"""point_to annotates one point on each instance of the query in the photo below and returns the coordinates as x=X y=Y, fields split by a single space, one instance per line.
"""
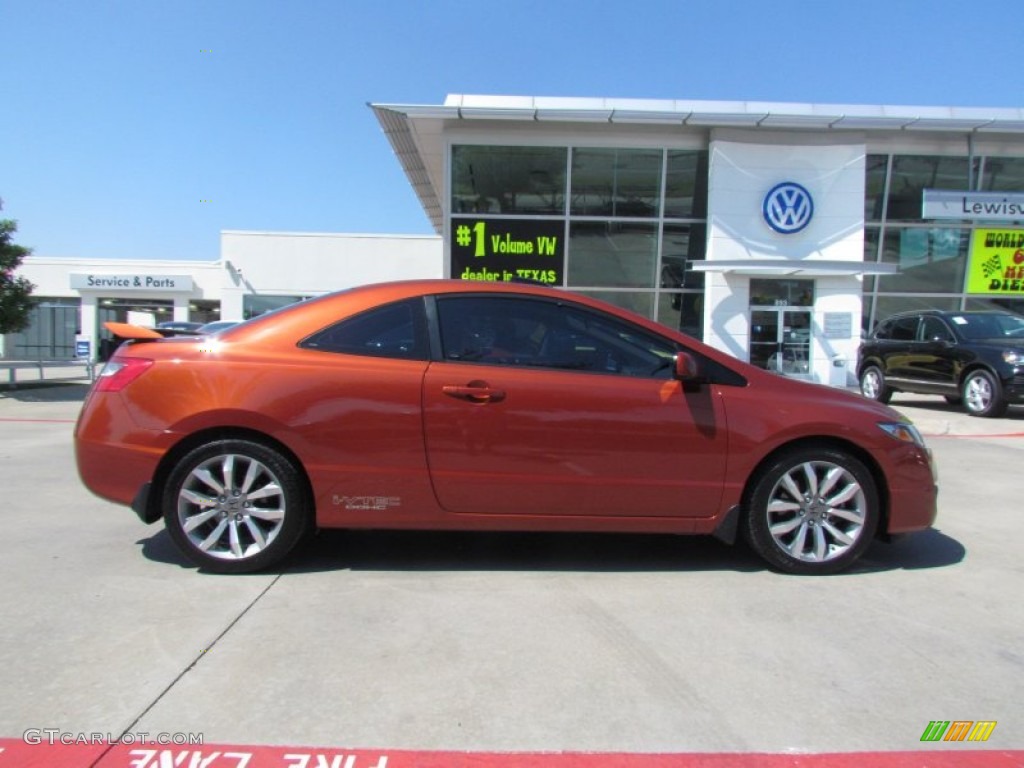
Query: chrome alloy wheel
x=231 y=506
x=816 y=511
x=978 y=394
x=871 y=384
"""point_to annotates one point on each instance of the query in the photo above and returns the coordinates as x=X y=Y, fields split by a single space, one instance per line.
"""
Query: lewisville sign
x=976 y=206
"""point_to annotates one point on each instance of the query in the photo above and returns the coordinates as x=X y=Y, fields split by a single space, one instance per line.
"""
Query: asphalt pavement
x=509 y=642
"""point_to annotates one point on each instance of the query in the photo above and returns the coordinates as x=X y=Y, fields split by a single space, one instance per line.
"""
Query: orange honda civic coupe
x=445 y=404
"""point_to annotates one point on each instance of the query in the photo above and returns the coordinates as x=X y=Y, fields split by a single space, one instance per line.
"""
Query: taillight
x=120 y=372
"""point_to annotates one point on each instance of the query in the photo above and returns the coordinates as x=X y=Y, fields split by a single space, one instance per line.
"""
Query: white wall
x=265 y=263
x=743 y=167
x=309 y=264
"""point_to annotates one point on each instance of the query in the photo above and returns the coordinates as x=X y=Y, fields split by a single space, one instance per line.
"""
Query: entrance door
x=780 y=340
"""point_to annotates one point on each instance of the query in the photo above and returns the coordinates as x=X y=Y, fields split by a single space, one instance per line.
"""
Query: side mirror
x=687 y=370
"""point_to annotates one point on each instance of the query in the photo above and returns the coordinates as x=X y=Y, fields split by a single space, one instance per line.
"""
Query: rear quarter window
x=395 y=330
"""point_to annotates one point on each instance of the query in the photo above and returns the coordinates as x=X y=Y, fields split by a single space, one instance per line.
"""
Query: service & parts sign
x=996 y=264
x=500 y=250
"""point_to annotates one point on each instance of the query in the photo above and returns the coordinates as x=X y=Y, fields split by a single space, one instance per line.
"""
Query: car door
x=936 y=363
x=898 y=348
x=540 y=407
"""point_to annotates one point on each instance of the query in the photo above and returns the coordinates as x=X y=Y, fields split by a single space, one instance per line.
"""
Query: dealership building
x=776 y=232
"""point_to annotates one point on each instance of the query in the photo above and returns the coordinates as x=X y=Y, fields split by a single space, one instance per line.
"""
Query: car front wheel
x=812 y=511
x=873 y=386
x=983 y=395
x=235 y=506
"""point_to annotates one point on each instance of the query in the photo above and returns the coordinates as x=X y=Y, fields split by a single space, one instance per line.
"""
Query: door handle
x=474 y=392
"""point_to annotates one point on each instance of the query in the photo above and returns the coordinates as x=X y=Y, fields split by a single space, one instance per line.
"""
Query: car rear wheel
x=983 y=395
x=873 y=386
x=812 y=511
x=235 y=506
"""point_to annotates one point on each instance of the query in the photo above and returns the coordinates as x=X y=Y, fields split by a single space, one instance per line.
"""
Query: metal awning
x=806 y=268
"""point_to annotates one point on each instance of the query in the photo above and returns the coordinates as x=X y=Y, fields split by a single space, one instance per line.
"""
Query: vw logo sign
x=788 y=207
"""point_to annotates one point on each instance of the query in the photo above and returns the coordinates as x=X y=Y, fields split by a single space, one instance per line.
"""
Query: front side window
x=981 y=326
x=899 y=329
x=933 y=329
x=394 y=330
x=537 y=333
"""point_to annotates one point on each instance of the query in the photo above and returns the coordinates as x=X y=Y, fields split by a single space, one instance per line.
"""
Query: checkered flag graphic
x=992 y=266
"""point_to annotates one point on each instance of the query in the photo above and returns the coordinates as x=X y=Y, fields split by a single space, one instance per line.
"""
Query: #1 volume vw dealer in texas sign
x=500 y=250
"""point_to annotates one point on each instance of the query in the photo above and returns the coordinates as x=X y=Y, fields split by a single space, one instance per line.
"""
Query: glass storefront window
x=1003 y=174
x=612 y=254
x=640 y=302
x=681 y=246
x=874 y=186
x=509 y=180
x=872 y=235
x=616 y=182
x=686 y=185
x=683 y=311
x=766 y=292
x=886 y=306
x=911 y=174
x=977 y=303
x=865 y=315
x=931 y=260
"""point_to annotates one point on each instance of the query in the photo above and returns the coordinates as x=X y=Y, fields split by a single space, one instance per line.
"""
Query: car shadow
x=925 y=549
x=46 y=392
x=428 y=551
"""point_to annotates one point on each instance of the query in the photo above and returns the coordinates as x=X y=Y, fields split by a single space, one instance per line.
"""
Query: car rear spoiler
x=134 y=332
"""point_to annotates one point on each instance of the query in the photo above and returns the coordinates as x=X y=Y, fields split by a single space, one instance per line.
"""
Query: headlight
x=903 y=431
x=1013 y=357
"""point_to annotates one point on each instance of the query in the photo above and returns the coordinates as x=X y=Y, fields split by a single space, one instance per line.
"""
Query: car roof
x=305 y=317
x=948 y=313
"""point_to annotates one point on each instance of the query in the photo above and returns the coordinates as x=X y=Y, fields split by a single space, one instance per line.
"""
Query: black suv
x=974 y=358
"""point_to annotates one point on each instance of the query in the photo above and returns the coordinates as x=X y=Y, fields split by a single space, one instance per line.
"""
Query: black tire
x=812 y=527
x=873 y=386
x=235 y=506
x=983 y=394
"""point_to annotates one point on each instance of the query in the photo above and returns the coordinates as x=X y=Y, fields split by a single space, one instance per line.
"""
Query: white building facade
x=779 y=233
x=257 y=272
x=776 y=232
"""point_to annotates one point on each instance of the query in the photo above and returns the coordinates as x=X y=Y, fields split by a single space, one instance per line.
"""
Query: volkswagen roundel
x=457 y=405
x=788 y=208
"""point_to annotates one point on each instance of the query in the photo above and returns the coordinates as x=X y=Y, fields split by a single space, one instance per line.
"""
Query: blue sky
x=142 y=128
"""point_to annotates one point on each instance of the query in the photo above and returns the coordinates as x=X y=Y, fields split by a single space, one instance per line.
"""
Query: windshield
x=989 y=326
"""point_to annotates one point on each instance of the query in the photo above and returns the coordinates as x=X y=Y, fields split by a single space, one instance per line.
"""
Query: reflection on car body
x=489 y=407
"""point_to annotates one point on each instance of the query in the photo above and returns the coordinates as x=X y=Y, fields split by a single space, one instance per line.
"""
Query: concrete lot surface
x=510 y=642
